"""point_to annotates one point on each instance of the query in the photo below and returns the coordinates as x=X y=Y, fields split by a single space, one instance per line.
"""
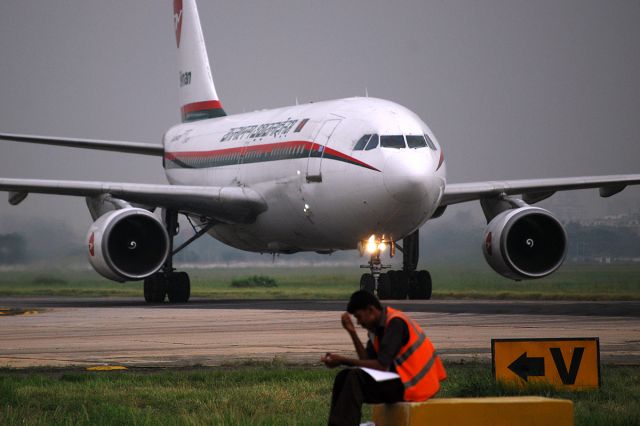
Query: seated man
x=397 y=344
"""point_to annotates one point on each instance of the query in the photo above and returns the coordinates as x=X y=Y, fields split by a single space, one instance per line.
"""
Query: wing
x=534 y=190
x=119 y=146
x=224 y=204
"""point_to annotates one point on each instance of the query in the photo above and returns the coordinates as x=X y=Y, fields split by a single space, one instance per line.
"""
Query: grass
x=577 y=282
x=254 y=281
x=258 y=394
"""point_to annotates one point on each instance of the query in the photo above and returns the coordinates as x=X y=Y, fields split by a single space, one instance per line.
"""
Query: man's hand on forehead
x=347 y=323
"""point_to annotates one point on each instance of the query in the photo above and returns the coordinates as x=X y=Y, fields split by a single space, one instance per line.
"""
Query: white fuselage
x=321 y=193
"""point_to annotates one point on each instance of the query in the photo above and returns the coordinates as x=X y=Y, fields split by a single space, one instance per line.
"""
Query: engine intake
x=525 y=243
x=127 y=244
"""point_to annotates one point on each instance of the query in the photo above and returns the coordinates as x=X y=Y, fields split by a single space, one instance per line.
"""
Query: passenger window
x=361 y=143
x=430 y=142
x=373 y=143
x=416 y=141
x=392 y=141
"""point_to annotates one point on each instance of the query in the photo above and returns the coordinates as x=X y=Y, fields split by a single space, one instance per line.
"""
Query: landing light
x=375 y=244
x=371 y=244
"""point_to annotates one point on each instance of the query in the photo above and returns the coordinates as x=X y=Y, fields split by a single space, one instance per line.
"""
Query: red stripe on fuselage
x=220 y=152
x=441 y=159
x=347 y=158
x=266 y=148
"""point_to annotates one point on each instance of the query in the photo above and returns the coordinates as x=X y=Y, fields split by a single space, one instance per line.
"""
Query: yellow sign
x=569 y=364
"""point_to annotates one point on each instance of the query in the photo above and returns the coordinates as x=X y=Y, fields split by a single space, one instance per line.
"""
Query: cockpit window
x=430 y=142
x=373 y=143
x=392 y=141
x=369 y=142
x=362 y=142
x=416 y=141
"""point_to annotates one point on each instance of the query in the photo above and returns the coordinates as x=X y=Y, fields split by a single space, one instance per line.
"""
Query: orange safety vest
x=417 y=362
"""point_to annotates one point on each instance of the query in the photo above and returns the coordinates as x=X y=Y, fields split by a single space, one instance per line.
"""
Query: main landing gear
x=176 y=285
x=167 y=282
x=397 y=284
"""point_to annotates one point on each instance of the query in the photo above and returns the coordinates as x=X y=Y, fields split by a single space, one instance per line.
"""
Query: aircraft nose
x=406 y=175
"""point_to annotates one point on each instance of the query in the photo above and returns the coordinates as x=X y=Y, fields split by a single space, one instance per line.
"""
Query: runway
x=57 y=332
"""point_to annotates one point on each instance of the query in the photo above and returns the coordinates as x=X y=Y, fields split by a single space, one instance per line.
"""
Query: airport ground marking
x=107 y=368
x=17 y=311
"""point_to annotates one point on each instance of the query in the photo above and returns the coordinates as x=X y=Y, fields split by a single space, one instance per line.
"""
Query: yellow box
x=495 y=411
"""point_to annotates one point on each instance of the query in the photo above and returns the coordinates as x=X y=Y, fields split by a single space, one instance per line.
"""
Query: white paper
x=380 y=376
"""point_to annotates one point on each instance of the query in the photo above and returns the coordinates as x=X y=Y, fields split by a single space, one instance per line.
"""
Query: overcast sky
x=512 y=89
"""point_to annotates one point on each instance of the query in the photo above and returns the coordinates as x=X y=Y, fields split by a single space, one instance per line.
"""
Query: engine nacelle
x=525 y=243
x=127 y=244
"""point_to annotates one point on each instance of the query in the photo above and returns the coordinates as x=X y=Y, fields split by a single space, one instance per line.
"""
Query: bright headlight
x=374 y=244
x=371 y=244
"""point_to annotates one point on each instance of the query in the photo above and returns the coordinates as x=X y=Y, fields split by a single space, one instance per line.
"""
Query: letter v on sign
x=567 y=363
x=567 y=377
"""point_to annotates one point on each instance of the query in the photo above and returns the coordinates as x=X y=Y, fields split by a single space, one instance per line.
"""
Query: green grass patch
x=577 y=282
x=254 y=281
x=572 y=282
x=48 y=280
x=256 y=394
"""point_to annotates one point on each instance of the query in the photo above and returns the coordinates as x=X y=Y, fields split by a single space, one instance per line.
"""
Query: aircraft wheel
x=155 y=288
x=401 y=285
x=393 y=282
x=367 y=283
x=384 y=287
x=420 y=286
x=179 y=287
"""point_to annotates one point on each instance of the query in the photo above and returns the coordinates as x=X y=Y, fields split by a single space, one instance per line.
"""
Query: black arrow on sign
x=526 y=367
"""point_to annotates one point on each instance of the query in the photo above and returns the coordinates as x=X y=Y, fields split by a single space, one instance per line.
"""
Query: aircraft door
x=321 y=141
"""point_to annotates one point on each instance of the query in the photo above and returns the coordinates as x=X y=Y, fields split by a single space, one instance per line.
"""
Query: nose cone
x=407 y=175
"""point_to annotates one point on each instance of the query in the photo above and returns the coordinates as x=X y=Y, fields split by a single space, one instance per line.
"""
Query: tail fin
x=198 y=95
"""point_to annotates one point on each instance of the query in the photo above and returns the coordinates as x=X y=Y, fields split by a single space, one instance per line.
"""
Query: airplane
x=355 y=173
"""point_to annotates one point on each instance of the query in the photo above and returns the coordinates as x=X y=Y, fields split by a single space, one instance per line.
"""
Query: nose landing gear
x=409 y=282
x=376 y=281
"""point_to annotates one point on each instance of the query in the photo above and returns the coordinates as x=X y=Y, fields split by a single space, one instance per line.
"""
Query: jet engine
x=127 y=244
x=525 y=243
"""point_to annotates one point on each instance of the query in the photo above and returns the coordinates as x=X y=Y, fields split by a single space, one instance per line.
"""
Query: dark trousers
x=352 y=388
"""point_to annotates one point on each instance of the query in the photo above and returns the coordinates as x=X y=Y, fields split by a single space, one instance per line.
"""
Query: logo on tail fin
x=177 y=19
